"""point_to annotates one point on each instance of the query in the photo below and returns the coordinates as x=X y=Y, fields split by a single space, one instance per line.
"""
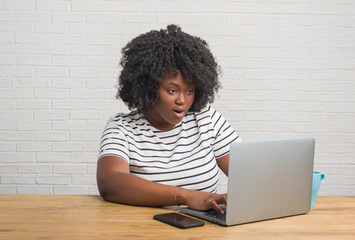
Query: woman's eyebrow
x=174 y=84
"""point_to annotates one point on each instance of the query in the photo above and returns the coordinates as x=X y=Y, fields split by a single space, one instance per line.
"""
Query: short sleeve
x=114 y=140
x=224 y=134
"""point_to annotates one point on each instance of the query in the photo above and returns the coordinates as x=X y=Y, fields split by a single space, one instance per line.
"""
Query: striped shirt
x=184 y=156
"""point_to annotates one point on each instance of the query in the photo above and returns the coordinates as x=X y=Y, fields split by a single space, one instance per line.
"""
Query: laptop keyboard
x=212 y=213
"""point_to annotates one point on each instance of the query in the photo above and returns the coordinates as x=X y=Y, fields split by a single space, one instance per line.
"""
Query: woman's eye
x=191 y=91
x=172 y=91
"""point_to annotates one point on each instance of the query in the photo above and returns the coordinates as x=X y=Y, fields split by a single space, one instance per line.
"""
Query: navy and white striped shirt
x=184 y=156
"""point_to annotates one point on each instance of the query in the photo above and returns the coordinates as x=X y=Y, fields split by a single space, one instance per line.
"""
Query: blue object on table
x=318 y=178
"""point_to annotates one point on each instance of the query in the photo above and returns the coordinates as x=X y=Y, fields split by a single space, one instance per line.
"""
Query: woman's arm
x=117 y=184
x=223 y=163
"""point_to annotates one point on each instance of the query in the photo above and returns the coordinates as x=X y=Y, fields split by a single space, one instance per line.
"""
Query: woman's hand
x=201 y=200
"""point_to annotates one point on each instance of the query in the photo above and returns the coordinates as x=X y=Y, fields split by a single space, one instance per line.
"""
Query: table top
x=90 y=217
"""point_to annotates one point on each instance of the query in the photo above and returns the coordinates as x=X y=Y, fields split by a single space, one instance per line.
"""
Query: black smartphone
x=178 y=220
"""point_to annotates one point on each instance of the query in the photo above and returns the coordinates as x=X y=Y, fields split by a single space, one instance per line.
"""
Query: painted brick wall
x=288 y=71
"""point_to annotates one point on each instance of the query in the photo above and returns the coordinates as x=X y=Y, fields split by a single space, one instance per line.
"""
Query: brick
x=104 y=18
x=101 y=62
x=92 y=168
x=86 y=50
x=51 y=115
x=228 y=51
x=138 y=18
x=85 y=135
x=51 y=28
x=33 y=126
x=32 y=60
x=107 y=40
x=81 y=179
x=16 y=136
x=34 y=17
x=7 y=16
x=34 y=38
x=333 y=9
x=159 y=7
x=100 y=104
x=52 y=179
x=309 y=20
x=16 y=27
x=7 y=147
x=18 y=179
x=7 y=38
x=46 y=49
x=7 y=104
x=58 y=39
x=70 y=190
x=28 y=83
x=35 y=169
x=91 y=147
x=15 y=93
x=6 y=60
x=93 y=125
x=69 y=61
x=86 y=73
x=92 y=190
x=87 y=94
x=53 y=5
x=17 y=5
x=168 y=18
x=99 y=84
x=15 y=71
x=195 y=7
x=68 y=83
x=296 y=31
x=87 y=114
x=86 y=28
x=68 y=17
x=69 y=168
x=8 y=169
x=52 y=136
x=34 y=189
x=68 y=147
x=68 y=125
x=23 y=115
x=8 y=189
x=50 y=72
x=51 y=94
x=68 y=104
x=131 y=29
x=33 y=147
x=52 y=157
x=33 y=104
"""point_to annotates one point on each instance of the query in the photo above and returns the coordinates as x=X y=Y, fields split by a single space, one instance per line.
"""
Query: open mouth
x=179 y=113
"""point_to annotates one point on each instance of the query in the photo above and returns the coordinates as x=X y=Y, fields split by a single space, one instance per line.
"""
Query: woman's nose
x=180 y=99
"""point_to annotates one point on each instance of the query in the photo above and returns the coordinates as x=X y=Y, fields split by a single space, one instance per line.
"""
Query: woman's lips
x=179 y=113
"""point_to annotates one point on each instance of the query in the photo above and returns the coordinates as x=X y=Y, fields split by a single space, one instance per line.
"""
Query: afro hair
x=147 y=58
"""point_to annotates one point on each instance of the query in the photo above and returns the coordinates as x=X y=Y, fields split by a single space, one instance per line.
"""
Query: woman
x=170 y=148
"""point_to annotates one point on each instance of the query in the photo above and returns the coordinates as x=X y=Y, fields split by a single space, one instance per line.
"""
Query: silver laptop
x=266 y=180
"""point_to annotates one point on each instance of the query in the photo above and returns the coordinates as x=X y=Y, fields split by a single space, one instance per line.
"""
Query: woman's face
x=175 y=98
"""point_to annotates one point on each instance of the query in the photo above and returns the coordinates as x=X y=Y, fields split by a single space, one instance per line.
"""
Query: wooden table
x=89 y=217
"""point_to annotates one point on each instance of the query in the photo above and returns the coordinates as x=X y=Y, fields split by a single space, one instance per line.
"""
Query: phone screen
x=179 y=220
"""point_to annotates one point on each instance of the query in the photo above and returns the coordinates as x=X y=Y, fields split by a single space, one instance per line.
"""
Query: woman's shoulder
x=207 y=113
x=126 y=120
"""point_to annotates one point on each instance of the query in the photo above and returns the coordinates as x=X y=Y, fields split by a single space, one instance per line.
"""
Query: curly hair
x=146 y=59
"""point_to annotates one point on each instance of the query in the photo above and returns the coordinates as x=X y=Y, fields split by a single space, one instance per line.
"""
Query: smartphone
x=178 y=220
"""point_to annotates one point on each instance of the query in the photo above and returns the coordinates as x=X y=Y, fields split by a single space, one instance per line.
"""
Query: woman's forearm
x=117 y=184
x=127 y=188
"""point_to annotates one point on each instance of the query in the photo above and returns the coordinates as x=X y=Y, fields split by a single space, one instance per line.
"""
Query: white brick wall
x=288 y=71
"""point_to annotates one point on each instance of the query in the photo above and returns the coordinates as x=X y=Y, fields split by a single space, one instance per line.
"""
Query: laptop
x=266 y=180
